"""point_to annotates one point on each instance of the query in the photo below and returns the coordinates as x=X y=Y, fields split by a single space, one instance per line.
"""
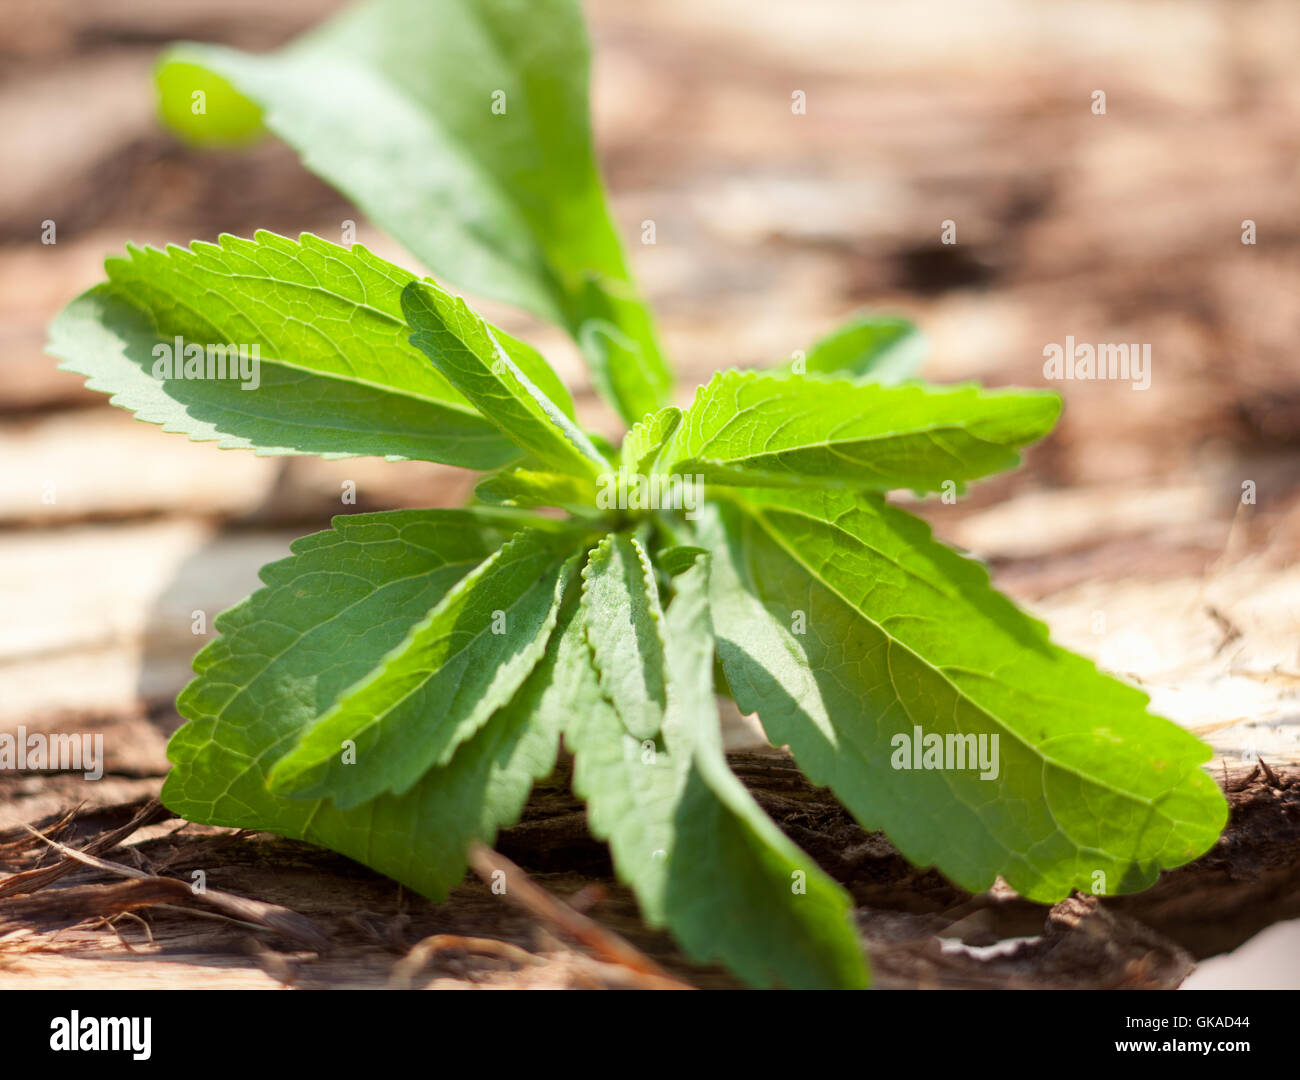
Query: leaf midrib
x=835 y=446
x=464 y=584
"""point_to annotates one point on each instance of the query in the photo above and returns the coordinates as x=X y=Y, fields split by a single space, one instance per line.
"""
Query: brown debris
x=31 y=880
x=436 y=945
x=253 y=912
x=606 y=945
x=1081 y=944
x=60 y=908
x=919 y=929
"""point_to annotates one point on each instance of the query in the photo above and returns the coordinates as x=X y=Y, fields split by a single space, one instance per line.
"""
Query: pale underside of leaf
x=625 y=630
x=630 y=787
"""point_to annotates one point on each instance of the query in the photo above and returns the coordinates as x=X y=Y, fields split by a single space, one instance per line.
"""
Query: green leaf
x=673 y=560
x=421 y=838
x=460 y=128
x=787 y=430
x=630 y=785
x=868 y=348
x=204 y=108
x=700 y=854
x=686 y=836
x=535 y=369
x=335 y=376
x=456 y=666
x=328 y=615
x=616 y=333
x=524 y=487
x=846 y=627
x=624 y=628
x=643 y=444
x=737 y=888
x=464 y=349
x=637 y=485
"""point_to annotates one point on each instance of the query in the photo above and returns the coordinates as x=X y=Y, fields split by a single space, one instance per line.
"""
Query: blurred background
x=1126 y=530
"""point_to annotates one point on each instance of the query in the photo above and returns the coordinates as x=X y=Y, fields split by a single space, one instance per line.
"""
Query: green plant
x=404 y=677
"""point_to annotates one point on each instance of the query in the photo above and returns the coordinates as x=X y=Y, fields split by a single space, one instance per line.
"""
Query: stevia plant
x=403 y=678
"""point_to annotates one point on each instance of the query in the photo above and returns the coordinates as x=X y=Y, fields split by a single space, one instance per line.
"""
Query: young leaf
x=459 y=128
x=327 y=616
x=880 y=349
x=227 y=117
x=643 y=444
x=533 y=487
x=785 y=431
x=616 y=334
x=856 y=638
x=629 y=785
x=624 y=628
x=786 y=921
x=636 y=485
x=459 y=664
x=535 y=369
x=468 y=354
x=335 y=373
x=686 y=836
x=678 y=558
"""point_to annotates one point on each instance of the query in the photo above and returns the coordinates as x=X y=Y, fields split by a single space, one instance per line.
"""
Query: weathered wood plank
x=919 y=929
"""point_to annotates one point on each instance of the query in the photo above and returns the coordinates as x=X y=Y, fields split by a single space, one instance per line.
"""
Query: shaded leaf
x=624 y=627
x=456 y=666
x=673 y=560
x=327 y=616
x=524 y=487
